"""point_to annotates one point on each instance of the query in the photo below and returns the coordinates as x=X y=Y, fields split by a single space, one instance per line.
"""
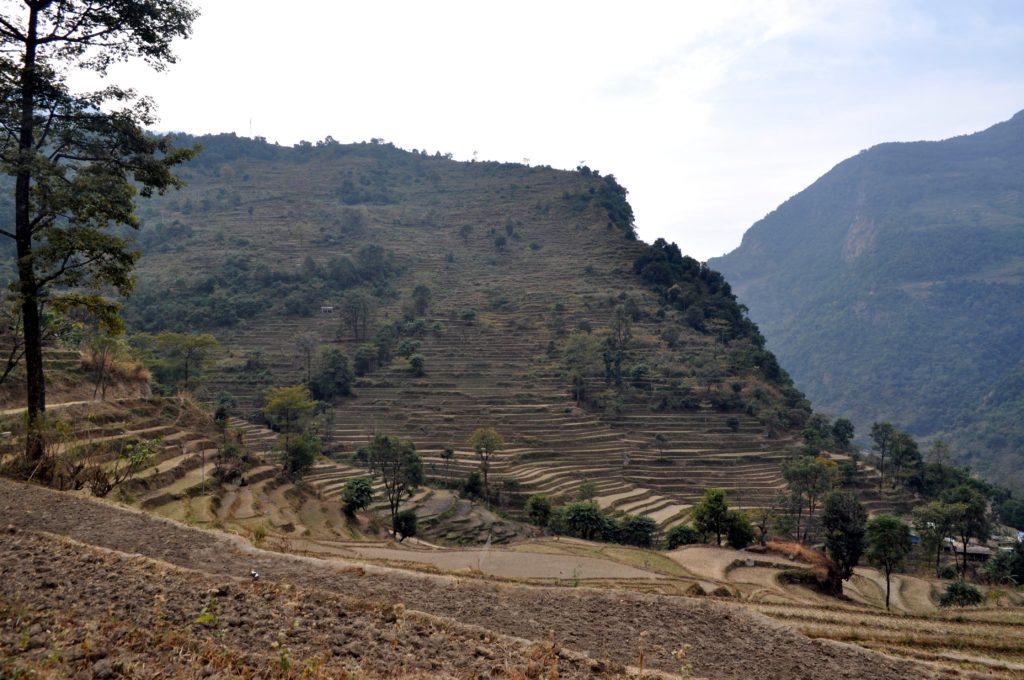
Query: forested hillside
x=893 y=289
x=428 y=297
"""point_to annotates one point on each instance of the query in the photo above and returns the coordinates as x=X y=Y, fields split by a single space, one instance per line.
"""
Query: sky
x=710 y=113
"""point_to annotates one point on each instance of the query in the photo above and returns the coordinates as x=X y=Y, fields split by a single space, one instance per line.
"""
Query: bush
x=405 y=524
x=300 y=453
x=583 y=520
x=733 y=424
x=586 y=491
x=682 y=534
x=740 y=533
x=960 y=594
x=366 y=358
x=357 y=495
x=637 y=530
x=417 y=365
x=408 y=347
x=538 y=509
x=474 y=485
x=331 y=376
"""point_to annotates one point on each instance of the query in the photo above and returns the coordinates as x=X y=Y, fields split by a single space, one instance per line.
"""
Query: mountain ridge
x=904 y=241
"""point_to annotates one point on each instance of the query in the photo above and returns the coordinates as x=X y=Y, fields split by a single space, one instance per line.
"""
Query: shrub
x=586 y=491
x=733 y=424
x=474 y=485
x=331 y=375
x=407 y=348
x=583 y=520
x=960 y=594
x=300 y=453
x=682 y=534
x=637 y=530
x=357 y=495
x=366 y=358
x=417 y=365
x=740 y=533
x=538 y=509
x=405 y=524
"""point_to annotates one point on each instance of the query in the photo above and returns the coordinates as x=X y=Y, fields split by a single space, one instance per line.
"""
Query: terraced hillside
x=516 y=259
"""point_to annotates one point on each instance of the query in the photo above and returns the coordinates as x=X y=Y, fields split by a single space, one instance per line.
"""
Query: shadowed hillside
x=641 y=376
x=893 y=289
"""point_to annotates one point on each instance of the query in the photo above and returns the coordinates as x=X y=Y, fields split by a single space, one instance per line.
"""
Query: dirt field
x=726 y=641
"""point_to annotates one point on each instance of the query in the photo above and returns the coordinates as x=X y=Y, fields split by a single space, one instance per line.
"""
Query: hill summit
x=893 y=289
x=467 y=295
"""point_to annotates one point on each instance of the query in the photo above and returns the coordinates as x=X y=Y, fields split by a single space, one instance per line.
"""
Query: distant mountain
x=893 y=288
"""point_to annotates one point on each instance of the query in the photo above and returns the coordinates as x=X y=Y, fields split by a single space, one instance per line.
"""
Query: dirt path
x=727 y=642
x=507 y=564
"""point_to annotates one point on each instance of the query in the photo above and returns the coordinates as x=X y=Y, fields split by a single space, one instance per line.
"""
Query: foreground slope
x=893 y=289
x=266 y=242
x=184 y=595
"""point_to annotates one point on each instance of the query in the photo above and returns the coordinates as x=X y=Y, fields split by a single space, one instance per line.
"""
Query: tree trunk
x=887 y=588
x=35 y=381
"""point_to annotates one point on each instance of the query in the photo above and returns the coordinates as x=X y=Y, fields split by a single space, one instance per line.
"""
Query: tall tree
x=78 y=159
x=971 y=519
x=289 y=408
x=357 y=310
x=401 y=469
x=933 y=522
x=881 y=437
x=888 y=543
x=842 y=433
x=843 y=520
x=711 y=514
x=809 y=480
x=617 y=344
x=486 y=442
x=307 y=343
x=185 y=352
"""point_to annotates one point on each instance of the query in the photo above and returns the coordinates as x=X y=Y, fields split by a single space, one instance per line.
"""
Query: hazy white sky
x=710 y=113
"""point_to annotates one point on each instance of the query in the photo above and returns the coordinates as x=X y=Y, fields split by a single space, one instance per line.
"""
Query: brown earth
x=726 y=641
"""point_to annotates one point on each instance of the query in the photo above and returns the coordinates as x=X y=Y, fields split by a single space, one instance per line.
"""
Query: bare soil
x=726 y=641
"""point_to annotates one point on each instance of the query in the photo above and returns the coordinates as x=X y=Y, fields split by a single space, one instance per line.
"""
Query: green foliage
x=638 y=530
x=844 y=523
x=933 y=522
x=586 y=490
x=682 y=534
x=582 y=520
x=240 y=288
x=405 y=524
x=888 y=544
x=538 y=509
x=486 y=442
x=971 y=520
x=960 y=594
x=610 y=196
x=177 y=358
x=711 y=514
x=474 y=485
x=300 y=453
x=400 y=467
x=421 y=299
x=331 y=376
x=288 y=408
x=740 y=532
x=365 y=359
x=1006 y=567
x=417 y=365
x=357 y=495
